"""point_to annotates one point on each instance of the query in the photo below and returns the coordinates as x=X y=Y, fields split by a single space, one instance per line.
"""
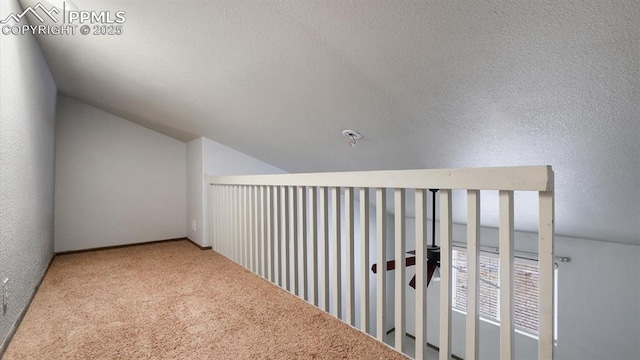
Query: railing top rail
x=516 y=178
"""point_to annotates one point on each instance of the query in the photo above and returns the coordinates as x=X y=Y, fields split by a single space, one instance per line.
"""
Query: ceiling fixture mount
x=351 y=136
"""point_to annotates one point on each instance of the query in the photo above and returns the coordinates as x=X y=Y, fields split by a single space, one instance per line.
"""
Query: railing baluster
x=237 y=236
x=506 y=276
x=473 y=276
x=230 y=229
x=381 y=250
x=324 y=236
x=227 y=207
x=293 y=240
x=232 y=224
x=445 y=274
x=251 y=229
x=219 y=218
x=240 y=224
x=239 y=230
x=270 y=236
x=208 y=221
x=302 y=211
x=399 y=218
x=277 y=230
x=236 y=224
x=337 y=249
x=224 y=211
x=213 y=228
x=225 y=223
x=264 y=237
x=421 y=261
x=233 y=238
x=349 y=232
x=364 y=257
x=247 y=228
x=256 y=229
x=547 y=278
x=222 y=219
x=284 y=244
x=243 y=227
x=313 y=259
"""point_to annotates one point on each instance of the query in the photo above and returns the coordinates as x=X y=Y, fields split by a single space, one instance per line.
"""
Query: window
x=526 y=290
x=489 y=294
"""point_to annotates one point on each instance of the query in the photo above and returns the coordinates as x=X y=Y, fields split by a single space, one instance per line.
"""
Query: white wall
x=116 y=182
x=220 y=160
x=207 y=157
x=195 y=186
x=599 y=300
x=27 y=149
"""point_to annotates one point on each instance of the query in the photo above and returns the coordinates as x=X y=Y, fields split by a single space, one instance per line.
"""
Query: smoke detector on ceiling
x=351 y=136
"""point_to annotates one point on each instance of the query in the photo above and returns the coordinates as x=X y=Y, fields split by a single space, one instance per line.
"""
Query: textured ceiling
x=428 y=83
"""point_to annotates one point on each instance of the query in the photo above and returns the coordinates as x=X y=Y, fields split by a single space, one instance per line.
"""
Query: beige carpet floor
x=172 y=300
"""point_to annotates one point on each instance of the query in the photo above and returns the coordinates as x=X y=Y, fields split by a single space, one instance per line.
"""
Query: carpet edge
x=118 y=246
x=23 y=312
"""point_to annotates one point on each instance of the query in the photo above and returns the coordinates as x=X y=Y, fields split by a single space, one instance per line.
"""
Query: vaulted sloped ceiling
x=429 y=84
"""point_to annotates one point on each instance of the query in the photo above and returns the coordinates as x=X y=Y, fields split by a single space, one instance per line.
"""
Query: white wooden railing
x=265 y=222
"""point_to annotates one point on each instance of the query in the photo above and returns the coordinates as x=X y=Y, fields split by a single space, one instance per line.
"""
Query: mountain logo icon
x=33 y=10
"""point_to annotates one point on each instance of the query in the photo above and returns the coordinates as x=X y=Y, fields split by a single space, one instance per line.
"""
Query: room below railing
x=316 y=236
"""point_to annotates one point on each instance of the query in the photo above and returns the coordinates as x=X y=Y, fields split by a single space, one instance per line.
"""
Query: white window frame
x=496 y=322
